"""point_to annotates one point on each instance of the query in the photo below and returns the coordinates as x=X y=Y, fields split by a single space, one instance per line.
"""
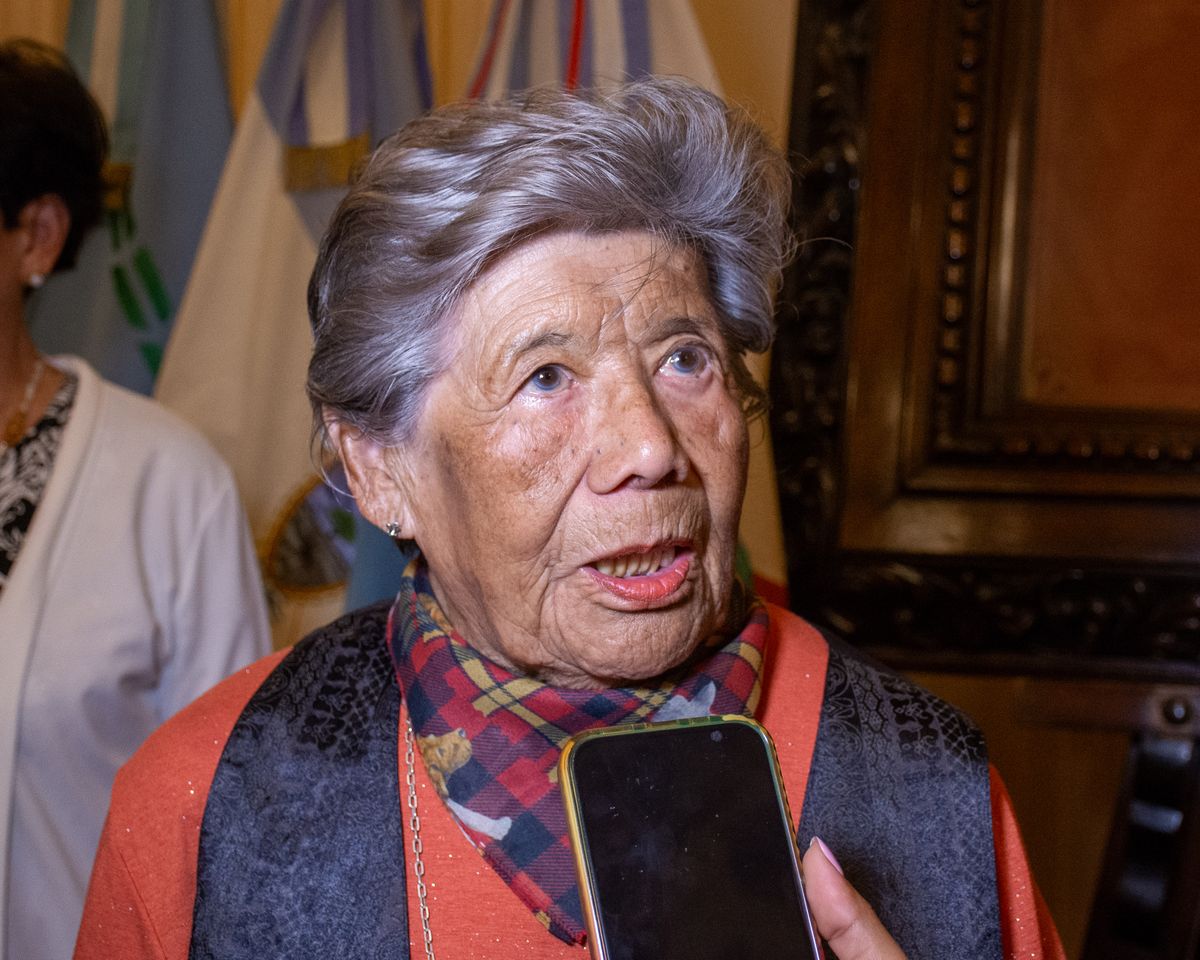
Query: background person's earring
x=393 y=529
x=36 y=280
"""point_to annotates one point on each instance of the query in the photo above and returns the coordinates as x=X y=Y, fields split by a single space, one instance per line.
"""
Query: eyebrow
x=672 y=325
x=676 y=324
x=533 y=340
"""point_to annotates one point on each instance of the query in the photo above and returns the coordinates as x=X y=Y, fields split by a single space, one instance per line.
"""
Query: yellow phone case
x=572 y=804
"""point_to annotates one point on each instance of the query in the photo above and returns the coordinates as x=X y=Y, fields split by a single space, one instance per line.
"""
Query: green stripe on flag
x=143 y=263
x=342 y=522
x=152 y=353
x=126 y=298
x=120 y=226
x=742 y=568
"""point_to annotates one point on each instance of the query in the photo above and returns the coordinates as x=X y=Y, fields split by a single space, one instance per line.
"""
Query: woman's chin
x=608 y=638
x=634 y=659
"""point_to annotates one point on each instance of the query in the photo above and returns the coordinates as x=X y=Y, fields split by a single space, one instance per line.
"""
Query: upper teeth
x=637 y=564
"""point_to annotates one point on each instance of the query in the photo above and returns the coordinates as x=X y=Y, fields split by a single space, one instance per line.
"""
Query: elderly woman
x=128 y=582
x=530 y=321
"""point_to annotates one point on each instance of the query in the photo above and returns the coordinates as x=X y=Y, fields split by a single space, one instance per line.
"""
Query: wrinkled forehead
x=583 y=285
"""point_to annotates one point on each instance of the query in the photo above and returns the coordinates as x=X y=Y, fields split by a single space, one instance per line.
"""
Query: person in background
x=530 y=324
x=128 y=582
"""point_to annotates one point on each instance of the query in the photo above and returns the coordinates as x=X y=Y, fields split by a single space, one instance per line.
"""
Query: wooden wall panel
x=1114 y=237
x=936 y=498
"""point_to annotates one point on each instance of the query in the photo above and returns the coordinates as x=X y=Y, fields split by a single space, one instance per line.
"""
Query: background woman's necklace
x=14 y=429
x=414 y=823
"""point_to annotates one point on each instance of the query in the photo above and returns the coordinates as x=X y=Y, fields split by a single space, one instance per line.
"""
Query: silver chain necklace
x=414 y=823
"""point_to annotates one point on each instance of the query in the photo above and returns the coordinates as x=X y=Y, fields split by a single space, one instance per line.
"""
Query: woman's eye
x=686 y=361
x=547 y=379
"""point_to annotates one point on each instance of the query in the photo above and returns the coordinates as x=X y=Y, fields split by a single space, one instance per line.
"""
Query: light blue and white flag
x=585 y=43
x=155 y=67
x=339 y=76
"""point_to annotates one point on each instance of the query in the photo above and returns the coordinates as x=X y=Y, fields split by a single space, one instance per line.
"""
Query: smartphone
x=683 y=843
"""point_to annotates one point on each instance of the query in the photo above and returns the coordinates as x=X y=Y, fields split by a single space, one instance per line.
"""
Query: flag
x=155 y=67
x=339 y=75
x=588 y=43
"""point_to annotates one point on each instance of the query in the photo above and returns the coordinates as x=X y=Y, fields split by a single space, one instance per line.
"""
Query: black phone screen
x=690 y=853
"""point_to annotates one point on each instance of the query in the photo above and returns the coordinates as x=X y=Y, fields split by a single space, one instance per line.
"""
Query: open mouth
x=637 y=564
x=647 y=578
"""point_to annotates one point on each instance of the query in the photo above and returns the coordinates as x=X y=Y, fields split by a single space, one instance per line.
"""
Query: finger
x=842 y=917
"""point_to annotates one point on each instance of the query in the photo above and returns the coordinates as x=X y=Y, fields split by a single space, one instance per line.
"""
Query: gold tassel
x=332 y=165
x=118 y=181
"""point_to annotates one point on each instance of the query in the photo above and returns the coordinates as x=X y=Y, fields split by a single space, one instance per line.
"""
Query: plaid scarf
x=491 y=739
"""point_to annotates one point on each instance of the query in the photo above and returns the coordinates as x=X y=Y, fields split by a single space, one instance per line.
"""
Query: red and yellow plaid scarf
x=491 y=739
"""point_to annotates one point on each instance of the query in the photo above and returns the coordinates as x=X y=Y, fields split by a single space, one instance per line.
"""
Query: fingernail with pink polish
x=829 y=855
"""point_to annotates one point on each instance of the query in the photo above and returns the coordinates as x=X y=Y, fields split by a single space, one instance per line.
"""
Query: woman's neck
x=24 y=394
x=18 y=356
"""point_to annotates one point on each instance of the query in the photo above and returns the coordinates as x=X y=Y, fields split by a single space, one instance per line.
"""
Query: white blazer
x=135 y=590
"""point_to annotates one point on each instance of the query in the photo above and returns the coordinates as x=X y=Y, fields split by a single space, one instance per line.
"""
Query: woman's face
x=577 y=475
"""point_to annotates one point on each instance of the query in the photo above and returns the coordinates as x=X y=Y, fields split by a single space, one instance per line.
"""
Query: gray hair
x=453 y=191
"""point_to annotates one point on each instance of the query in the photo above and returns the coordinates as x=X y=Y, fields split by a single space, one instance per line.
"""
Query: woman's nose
x=634 y=442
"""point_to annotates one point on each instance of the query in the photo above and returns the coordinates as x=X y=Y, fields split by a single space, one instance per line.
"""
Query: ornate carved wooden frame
x=929 y=512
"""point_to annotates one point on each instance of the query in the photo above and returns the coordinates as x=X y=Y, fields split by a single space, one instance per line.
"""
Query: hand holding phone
x=684 y=845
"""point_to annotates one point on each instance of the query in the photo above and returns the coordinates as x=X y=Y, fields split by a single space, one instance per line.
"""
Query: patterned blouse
x=24 y=469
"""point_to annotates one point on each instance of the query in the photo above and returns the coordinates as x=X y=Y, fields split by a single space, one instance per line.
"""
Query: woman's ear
x=45 y=221
x=376 y=477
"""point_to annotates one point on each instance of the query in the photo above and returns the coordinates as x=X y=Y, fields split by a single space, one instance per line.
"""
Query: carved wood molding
x=1038 y=618
x=953 y=611
x=827 y=137
x=960 y=430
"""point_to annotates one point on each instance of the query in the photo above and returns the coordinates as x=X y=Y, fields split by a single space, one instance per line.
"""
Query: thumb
x=842 y=917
